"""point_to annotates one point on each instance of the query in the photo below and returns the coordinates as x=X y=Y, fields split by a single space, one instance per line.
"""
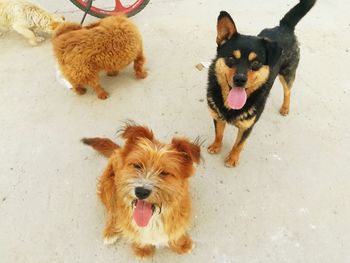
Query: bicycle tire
x=99 y=15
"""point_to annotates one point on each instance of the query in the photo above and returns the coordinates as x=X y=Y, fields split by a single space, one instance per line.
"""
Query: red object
x=129 y=10
x=142 y=213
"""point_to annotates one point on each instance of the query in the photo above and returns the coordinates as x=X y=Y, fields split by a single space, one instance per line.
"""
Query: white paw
x=33 y=42
x=36 y=40
x=191 y=249
x=39 y=39
x=110 y=240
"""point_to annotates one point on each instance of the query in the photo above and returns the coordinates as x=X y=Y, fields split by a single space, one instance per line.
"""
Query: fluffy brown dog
x=110 y=44
x=145 y=190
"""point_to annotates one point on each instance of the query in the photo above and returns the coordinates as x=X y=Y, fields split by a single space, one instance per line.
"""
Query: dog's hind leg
x=101 y=93
x=139 y=62
x=286 y=95
x=112 y=73
x=32 y=38
x=79 y=89
x=286 y=77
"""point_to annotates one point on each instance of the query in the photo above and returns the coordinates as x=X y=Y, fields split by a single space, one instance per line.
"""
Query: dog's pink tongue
x=142 y=213
x=237 y=98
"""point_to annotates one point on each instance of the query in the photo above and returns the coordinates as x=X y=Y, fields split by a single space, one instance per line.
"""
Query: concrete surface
x=289 y=199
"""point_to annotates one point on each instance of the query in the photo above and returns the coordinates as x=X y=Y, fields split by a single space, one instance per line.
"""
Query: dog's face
x=243 y=62
x=151 y=175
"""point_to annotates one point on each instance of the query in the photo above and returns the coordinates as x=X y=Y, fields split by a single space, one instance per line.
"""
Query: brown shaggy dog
x=145 y=190
x=110 y=44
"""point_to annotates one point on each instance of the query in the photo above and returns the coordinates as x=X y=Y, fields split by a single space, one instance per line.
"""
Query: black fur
x=277 y=48
x=292 y=18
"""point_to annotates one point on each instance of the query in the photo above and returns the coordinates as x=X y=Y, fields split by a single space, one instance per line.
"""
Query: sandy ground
x=289 y=199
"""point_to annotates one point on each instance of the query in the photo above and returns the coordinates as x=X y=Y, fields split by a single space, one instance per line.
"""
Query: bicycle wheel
x=129 y=11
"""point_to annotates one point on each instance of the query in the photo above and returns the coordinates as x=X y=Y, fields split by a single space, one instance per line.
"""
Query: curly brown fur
x=146 y=173
x=108 y=45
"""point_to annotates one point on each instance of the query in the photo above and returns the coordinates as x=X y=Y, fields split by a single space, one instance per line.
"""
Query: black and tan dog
x=243 y=72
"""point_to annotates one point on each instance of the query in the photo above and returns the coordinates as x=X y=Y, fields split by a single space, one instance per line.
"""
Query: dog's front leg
x=111 y=233
x=232 y=159
x=183 y=245
x=215 y=147
x=143 y=251
x=107 y=193
x=106 y=188
x=32 y=38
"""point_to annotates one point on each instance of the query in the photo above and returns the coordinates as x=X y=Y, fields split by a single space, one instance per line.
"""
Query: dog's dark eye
x=163 y=174
x=255 y=65
x=230 y=61
x=137 y=166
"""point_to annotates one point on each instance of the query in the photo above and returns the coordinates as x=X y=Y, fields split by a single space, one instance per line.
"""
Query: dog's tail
x=292 y=18
x=65 y=27
x=104 y=146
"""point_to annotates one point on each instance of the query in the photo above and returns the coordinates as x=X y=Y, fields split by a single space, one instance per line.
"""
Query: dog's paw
x=144 y=252
x=284 y=111
x=80 y=90
x=39 y=39
x=231 y=161
x=33 y=42
x=182 y=246
x=109 y=240
x=112 y=73
x=36 y=40
x=185 y=247
x=214 y=148
x=141 y=74
x=103 y=95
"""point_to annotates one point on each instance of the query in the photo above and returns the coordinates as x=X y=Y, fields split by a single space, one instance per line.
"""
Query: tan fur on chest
x=244 y=124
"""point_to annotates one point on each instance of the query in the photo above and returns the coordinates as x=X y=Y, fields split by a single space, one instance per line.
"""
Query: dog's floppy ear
x=133 y=132
x=191 y=151
x=226 y=28
x=273 y=51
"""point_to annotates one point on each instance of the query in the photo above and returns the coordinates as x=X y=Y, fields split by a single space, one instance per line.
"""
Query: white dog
x=27 y=19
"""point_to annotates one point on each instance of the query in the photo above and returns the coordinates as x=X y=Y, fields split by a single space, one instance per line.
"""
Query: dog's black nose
x=240 y=80
x=142 y=193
